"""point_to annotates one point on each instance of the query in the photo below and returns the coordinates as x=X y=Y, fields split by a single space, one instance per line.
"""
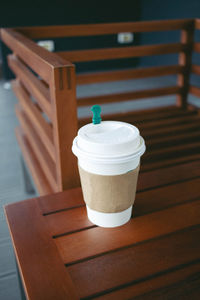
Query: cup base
x=109 y=219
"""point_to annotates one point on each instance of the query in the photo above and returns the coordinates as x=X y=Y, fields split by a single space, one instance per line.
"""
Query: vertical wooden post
x=185 y=60
x=65 y=124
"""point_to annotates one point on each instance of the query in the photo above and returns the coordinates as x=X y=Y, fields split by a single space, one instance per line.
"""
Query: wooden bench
x=156 y=255
x=47 y=110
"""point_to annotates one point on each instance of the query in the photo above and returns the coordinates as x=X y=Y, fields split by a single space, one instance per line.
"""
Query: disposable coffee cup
x=108 y=155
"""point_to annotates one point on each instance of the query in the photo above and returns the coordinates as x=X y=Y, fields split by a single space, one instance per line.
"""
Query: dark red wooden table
x=61 y=255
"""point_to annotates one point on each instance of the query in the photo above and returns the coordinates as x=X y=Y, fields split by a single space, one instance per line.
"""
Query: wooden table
x=61 y=255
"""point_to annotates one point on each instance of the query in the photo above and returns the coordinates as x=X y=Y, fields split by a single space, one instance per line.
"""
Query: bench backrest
x=46 y=87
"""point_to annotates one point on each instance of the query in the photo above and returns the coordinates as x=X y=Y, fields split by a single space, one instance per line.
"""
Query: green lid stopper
x=96 y=109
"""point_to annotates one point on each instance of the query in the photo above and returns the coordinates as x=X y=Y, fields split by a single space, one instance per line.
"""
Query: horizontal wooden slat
x=186 y=285
x=43 y=157
x=164 y=284
x=169 y=123
x=143 y=116
x=168 y=175
x=169 y=162
x=164 y=142
x=146 y=202
x=150 y=115
x=179 y=128
x=166 y=196
x=197 y=23
x=195 y=69
x=67 y=199
x=133 y=232
x=137 y=263
x=122 y=52
x=194 y=90
x=103 y=29
x=172 y=151
x=40 y=180
x=87 y=78
x=36 y=57
x=44 y=130
x=68 y=221
x=35 y=87
x=86 y=101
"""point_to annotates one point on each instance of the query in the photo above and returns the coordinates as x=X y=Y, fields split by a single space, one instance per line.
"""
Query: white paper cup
x=99 y=155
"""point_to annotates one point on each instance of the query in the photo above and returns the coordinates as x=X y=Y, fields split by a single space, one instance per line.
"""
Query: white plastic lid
x=108 y=139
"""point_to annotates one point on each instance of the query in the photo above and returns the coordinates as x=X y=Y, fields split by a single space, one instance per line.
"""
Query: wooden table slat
x=168 y=175
x=170 y=162
x=124 y=267
x=75 y=219
x=156 y=287
x=165 y=196
x=97 y=240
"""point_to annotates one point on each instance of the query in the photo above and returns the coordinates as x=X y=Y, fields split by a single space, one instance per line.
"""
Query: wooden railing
x=46 y=88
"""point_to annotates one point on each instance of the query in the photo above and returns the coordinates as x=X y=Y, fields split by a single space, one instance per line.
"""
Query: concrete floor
x=11 y=190
x=11 y=179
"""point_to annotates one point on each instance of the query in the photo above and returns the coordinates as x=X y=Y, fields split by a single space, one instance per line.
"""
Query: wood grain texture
x=40 y=180
x=35 y=87
x=188 y=287
x=136 y=263
x=166 y=283
x=44 y=130
x=63 y=95
x=104 y=241
x=65 y=200
x=166 y=196
x=103 y=29
x=41 y=280
x=168 y=175
x=93 y=77
x=122 y=52
x=68 y=221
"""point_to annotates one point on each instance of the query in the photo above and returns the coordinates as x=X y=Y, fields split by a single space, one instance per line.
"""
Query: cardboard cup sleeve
x=109 y=194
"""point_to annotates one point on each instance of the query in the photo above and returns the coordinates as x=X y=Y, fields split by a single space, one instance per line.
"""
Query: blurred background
x=38 y=13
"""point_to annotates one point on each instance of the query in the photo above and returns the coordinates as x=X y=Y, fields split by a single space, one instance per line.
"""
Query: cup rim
x=108 y=159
